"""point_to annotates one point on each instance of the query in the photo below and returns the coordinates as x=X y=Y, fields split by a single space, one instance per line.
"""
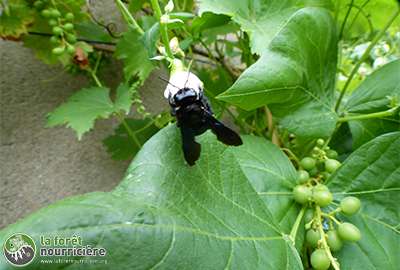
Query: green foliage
x=121 y=146
x=371 y=174
x=88 y=104
x=202 y=218
x=14 y=18
x=131 y=49
x=294 y=195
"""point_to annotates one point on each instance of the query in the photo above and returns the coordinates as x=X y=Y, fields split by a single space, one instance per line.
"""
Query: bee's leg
x=191 y=149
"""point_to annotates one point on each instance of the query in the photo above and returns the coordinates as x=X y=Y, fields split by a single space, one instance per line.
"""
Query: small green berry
x=308 y=215
x=331 y=165
x=69 y=16
x=332 y=154
x=302 y=194
x=308 y=163
x=54 y=40
x=57 y=30
x=302 y=176
x=349 y=232
x=71 y=38
x=58 y=50
x=350 y=205
x=38 y=4
x=320 y=142
x=323 y=198
x=70 y=49
x=55 y=13
x=320 y=260
x=52 y=22
x=68 y=26
x=46 y=13
x=312 y=237
x=333 y=240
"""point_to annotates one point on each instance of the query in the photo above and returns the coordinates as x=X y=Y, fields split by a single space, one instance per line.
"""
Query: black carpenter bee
x=194 y=115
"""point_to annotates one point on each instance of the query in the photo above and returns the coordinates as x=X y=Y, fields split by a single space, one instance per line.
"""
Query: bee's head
x=185 y=96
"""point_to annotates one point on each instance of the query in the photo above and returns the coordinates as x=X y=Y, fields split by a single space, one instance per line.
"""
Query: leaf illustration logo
x=19 y=249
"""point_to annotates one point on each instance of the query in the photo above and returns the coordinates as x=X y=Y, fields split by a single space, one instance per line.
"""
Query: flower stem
x=296 y=225
x=163 y=28
x=325 y=246
x=389 y=112
x=364 y=57
x=128 y=17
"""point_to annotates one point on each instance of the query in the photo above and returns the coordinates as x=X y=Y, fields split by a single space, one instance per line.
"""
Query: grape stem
x=163 y=29
x=128 y=17
x=386 y=113
x=296 y=225
x=325 y=246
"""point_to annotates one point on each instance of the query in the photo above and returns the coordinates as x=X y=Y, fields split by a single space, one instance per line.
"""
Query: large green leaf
x=295 y=75
x=136 y=58
x=168 y=215
x=263 y=19
x=372 y=174
x=371 y=96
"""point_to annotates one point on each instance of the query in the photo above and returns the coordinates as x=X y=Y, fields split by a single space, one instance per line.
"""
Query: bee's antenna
x=165 y=80
x=190 y=67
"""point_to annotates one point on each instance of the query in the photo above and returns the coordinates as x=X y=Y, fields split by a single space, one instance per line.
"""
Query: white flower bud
x=169 y=7
x=164 y=19
x=182 y=79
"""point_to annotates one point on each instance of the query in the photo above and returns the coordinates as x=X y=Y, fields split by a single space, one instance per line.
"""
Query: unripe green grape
x=71 y=38
x=302 y=194
x=333 y=240
x=314 y=172
x=57 y=30
x=308 y=215
x=322 y=198
x=46 y=13
x=325 y=175
x=58 y=50
x=69 y=16
x=331 y=154
x=350 y=205
x=331 y=165
x=312 y=237
x=38 y=4
x=302 y=176
x=349 y=232
x=70 y=49
x=320 y=142
x=320 y=260
x=308 y=163
x=68 y=26
x=54 y=40
x=320 y=187
x=55 y=13
x=52 y=22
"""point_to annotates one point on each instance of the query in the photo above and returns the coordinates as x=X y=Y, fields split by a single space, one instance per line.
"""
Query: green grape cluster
x=311 y=192
x=64 y=35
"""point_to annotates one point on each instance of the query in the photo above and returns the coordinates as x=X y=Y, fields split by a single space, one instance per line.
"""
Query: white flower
x=182 y=79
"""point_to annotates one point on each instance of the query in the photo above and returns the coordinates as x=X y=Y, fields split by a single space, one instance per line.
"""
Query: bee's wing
x=191 y=149
x=223 y=133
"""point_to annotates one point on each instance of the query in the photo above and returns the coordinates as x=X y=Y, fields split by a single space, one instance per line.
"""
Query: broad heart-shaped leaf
x=371 y=96
x=263 y=19
x=136 y=58
x=167 y=215
x=273 y=177
x=295 y=75
x=82 y=109
x=372 y=174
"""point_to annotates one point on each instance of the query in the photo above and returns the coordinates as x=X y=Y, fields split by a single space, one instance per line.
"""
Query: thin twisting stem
x=163 y=28
x=364 y=57
x=128 y=17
